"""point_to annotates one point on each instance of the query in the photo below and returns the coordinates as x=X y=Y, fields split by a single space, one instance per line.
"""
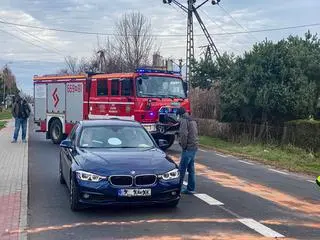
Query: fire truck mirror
x=185 y=87
x=88 y=84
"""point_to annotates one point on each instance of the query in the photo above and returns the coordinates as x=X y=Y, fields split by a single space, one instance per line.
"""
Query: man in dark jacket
x=189 y=140
x=20 y=111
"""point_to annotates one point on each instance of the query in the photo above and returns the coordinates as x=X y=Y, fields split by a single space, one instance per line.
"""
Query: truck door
x=121 y=99
x=56 y=98
x=99 y=100
x=40 y=101
x=74 y=102
x=127 y=97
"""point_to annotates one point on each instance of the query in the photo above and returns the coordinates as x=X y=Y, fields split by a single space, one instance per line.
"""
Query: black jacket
x=21 y=109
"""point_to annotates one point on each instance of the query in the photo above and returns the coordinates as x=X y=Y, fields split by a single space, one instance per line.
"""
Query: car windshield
x=155 y=86
x=115 y=137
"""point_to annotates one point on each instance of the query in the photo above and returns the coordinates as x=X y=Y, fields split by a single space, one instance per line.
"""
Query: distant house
x=9 y=100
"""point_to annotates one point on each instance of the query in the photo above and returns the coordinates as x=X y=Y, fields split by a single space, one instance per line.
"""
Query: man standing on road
x=188 y=140
x=20 y=111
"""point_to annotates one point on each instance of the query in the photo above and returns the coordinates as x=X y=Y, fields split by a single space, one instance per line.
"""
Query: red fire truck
x=148 y=96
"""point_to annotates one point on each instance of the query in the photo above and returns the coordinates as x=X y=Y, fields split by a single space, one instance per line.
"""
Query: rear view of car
x=117 y=162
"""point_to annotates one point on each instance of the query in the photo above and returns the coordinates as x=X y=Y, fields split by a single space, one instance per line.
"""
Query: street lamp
x=4 y=84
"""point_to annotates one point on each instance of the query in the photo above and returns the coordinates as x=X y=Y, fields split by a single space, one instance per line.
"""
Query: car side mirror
x=66 y=144
x=163 y=143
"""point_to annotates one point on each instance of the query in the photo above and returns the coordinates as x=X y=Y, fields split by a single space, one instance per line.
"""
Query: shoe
x=14 y=141
x=24 y=141
x=186 y=191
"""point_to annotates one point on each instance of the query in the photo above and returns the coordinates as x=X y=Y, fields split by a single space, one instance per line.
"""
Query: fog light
x=86 y=195
x=173 y=193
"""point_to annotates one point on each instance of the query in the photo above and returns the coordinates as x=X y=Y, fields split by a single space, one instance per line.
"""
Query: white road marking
x=220 y=155
x=249 y=163
x=202 y=150
x=260 y=228
x=273 y=170
x=185 y=183
x=206 y=198
x=312 y=181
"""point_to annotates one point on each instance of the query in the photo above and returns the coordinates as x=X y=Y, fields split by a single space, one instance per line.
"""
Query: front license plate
x=134 y=192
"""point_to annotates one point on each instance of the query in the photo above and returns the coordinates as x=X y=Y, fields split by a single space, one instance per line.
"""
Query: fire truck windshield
x=162 y=87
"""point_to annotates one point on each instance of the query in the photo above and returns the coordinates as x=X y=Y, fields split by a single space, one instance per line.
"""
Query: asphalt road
x=235 y=200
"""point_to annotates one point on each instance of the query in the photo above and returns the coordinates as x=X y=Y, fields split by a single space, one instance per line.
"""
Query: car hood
x=124 y=161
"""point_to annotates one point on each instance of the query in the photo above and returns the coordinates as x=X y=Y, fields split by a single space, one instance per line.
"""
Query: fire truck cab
x=148 y=96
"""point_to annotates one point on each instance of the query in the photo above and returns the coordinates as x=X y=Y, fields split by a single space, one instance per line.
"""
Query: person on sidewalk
x=21 y=112
x=188 y=140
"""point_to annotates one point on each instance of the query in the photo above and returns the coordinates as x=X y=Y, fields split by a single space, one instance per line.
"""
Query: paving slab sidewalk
x=13 y=185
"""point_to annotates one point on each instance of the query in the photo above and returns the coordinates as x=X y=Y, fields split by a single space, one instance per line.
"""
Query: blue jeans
x=20 y=122
x=187 y=164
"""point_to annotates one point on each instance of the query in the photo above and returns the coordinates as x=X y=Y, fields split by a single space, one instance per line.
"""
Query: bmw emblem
x=133 y=172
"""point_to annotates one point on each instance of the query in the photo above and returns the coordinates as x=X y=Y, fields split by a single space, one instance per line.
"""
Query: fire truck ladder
x=190 y=10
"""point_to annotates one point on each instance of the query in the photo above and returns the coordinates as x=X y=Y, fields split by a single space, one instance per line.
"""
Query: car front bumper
x=103 y=193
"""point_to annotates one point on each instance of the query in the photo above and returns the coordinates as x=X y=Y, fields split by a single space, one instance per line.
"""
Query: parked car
x=105 y=162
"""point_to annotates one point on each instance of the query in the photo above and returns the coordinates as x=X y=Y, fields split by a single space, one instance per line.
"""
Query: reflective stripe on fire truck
x=94 y=102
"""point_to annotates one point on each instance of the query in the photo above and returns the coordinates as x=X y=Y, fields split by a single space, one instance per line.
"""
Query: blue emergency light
x=148 y=70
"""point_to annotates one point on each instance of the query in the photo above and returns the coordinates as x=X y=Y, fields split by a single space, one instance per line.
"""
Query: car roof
x=109 y=122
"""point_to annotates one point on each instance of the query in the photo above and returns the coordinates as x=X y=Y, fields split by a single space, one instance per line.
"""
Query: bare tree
x=129 y=49
x=75 y=66
x=71 y=64
x=133 y=39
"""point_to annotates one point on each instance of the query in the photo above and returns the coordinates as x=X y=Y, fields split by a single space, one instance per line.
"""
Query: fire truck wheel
x=56 y=131
x=170 y=139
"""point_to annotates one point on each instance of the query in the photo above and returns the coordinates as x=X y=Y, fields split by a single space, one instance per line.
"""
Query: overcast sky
x=34 y=51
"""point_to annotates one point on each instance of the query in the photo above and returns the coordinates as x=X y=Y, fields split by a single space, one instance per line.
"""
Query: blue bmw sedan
x=105 y=162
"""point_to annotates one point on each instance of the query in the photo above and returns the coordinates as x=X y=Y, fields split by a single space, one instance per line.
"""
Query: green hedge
x=304 y=133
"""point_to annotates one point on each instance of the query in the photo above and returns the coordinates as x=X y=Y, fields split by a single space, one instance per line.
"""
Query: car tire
x=61 y=177
x=173 y=204
x=74 y=196
x=56 y=133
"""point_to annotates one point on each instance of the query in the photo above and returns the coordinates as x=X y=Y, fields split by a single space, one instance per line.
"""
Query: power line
x=23 y=40
x=53 y=49
x=238 y=22
x=204 y=12
x=166 y=35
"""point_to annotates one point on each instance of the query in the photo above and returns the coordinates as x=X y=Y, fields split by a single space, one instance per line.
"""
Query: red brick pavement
x=9 y=215
x=13 y=185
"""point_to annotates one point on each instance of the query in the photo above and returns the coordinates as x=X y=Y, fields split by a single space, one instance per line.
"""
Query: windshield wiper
x=176 y=96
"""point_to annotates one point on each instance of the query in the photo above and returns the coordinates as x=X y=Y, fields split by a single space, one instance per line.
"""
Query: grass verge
x=2 y=124
x=5 y=114
x=286 y=157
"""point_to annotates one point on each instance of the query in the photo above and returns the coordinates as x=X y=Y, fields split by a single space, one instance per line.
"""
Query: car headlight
x=173 y=174
x=86 y=176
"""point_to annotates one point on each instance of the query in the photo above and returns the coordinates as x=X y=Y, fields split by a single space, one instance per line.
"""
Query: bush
x=303 y=133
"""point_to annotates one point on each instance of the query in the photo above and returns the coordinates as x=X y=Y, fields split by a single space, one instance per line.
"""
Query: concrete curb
x=23 y=223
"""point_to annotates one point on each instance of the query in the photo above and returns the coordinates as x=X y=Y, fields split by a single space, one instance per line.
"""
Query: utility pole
x=180 y=64
x=191 y=10
x=102 y=61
